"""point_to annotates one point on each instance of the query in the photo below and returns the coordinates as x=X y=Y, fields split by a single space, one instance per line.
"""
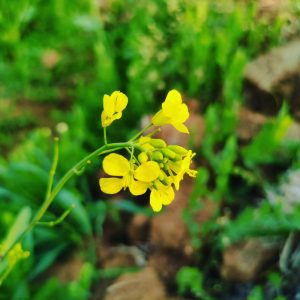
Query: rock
x=50 y=58
x=168 y=230
x=244 y=261
x=274 y=77
x=138 y=229
x=144 y=285
x=121 y=256
x=167 y=263
x=67 y=271
x=249 y=123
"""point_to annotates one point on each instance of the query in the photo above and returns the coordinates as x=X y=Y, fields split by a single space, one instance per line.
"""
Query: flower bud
x=168 y=153
x=157 y=156
x=178 y=149
x=142 y=157
x=157 y=143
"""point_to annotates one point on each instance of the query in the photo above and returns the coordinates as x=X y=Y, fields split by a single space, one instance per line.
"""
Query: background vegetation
x=58 y=58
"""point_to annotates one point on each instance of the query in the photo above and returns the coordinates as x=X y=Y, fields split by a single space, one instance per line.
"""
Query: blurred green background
x=58 y=58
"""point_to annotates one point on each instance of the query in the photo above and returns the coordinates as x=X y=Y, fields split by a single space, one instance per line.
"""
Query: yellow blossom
x=173 y=112
x=113 y=106
x=136 y=178
x=161 y=195
x=182 y=167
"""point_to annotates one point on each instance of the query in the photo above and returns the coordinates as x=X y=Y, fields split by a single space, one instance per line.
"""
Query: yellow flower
x=173 y=112
x=161 y=195
x=182 y=167
x=136 y=178
x=113 y=106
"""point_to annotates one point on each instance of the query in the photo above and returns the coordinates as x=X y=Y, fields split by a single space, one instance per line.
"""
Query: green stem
x=73 y=171
x=141 y=132
x=104 y=134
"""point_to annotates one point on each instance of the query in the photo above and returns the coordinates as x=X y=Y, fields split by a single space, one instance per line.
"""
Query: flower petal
x=155 y=200
x=105 y=119
x=120 y=102
x=138 y=188
x=160 y=119
x=111 y=185
x=147 y=171
x=181 y=127
x=108 y=105
x=116 y=165
x=167 y=196
x=173 y=98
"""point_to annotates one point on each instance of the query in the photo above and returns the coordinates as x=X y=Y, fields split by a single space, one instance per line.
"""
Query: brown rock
x=121 y=256
x=144 y=285
x=249 y=123
x=244 y=261
x=167 y=263
x=68 y=270
x=50 y=58
x=273 y=77
x=169 y=231
x=138 y=229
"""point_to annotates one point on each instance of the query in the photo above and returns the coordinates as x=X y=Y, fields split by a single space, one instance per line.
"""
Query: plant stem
x=104 y=134
x=141 y=132
x=73 y=171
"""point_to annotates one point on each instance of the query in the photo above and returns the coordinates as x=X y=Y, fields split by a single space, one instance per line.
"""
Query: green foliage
x=190 y=279
x=60 y=57
x=270 y=139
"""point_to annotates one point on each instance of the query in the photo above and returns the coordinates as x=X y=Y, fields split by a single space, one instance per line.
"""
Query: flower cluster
x=153 y=164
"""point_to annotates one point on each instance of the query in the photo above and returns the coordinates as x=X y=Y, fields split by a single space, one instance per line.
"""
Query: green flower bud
x=168 y=153
x=162 y=175
x=157 y=143
x=178 y=149
x=142 y=157
x=157 y=156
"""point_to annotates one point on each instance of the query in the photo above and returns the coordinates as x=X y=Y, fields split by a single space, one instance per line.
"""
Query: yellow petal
x=105 y=119
x=111 y=185
x=173 y=97
x=155 y=200
x=108 y=105
x=116 y=165
x=172 y=102
x=138 y=188
x=160 y=119
x=167 y=196
x=147 y=171
x=121 y=102
x=181 y=127
x=117 y=116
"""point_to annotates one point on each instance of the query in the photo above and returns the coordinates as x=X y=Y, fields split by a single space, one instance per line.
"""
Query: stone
x=120 y=256
x=168 y=230
x=244 y=261
x=274 y=77
x=168 y=263
x=143 y=285
x=138 y=229
x=249 y=123
x=50 y=58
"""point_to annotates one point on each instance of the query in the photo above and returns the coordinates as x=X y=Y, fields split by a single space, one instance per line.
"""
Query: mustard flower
x=173 y=112
x=182 y=167
x=136 y=178
x=113 y=106
x=161 y=195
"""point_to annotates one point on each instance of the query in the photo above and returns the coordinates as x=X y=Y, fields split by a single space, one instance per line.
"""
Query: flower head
x=173 y=112
x=136 y=178
x=113 y=106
